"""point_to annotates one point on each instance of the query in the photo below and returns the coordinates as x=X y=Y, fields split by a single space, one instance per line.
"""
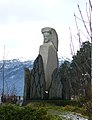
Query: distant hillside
x=14 y=75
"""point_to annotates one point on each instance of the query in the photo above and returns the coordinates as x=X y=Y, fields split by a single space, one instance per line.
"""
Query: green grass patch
x=65 y=106
x=13 y=112
x=39 y=110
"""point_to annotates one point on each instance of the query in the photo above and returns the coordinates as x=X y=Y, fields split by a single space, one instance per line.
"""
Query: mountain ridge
x=14 y=74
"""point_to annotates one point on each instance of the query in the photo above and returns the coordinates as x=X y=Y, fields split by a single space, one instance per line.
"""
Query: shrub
x=13 y=112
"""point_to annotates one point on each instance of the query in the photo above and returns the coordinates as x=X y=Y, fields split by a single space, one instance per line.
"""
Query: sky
x=21 y=22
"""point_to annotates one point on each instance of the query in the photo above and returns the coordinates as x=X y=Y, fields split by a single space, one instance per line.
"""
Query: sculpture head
x=50 y=35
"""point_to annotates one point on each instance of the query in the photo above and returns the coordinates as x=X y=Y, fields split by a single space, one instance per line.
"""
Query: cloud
x=21 y=22
x=50 y=3
x=22 y=10
x=24 y=40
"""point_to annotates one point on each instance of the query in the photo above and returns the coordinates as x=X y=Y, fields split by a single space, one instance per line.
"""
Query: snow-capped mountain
x=13 y=75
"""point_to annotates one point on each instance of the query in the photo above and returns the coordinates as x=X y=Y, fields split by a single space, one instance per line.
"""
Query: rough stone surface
x=27 y=82
x=37 y=88
x=48 y=51
x=60 y=87
x=55 y=90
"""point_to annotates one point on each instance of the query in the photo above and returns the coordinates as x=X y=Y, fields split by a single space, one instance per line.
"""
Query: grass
x=61 y=106
x=48 y=109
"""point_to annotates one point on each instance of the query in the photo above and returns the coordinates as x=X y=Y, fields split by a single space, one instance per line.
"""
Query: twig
x=71 y=42
x=78 y=31
x=83 y=21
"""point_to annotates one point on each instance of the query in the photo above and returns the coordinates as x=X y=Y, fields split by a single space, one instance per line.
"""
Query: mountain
x=14 y=75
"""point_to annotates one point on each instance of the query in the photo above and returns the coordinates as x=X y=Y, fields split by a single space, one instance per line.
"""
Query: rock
x=60 y=88
x=55 y=90
x=48 y=51
x=38 y=85
x=27 y=83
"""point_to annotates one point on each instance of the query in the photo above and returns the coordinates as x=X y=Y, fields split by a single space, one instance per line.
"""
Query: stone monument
x=48 y=51
x=37 y=86
x=45 y=80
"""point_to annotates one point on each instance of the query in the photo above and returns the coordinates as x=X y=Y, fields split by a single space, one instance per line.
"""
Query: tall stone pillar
x=48 y=51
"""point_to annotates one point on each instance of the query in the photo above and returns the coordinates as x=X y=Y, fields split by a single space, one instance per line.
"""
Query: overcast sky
x=21 y=22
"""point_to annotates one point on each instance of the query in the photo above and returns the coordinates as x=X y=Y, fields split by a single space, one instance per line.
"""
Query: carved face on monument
x=47 y=36
x=50 y=35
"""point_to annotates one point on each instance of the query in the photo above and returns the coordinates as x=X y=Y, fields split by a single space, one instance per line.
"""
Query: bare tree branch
x=90 y=5
x=83 y=21
x=72 y=46
x=80 y=19
x=78 y=31
x=85 y=35
x=87 y=13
